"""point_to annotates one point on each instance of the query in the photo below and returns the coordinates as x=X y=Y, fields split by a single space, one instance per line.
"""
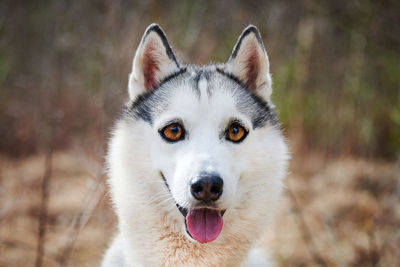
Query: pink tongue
x=204 y=225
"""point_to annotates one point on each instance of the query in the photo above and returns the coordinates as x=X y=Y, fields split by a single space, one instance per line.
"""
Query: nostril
x=196 y=188
x=215 y=189
x=207 y=188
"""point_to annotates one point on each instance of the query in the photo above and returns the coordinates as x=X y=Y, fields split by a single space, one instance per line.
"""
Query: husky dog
x=197 y=159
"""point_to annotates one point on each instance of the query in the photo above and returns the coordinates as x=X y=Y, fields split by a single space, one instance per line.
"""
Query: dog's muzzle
x=203 y=223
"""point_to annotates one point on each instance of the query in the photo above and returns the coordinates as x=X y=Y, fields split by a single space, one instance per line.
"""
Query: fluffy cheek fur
x=146 y=209
x=260 y=185
x=262 y=182
x=135 y=179
x=141 y=200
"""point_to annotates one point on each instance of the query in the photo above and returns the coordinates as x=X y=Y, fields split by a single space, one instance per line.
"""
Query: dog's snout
x=207 y=188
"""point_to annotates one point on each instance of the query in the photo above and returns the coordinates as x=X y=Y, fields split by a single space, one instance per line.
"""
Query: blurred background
x=64 y=69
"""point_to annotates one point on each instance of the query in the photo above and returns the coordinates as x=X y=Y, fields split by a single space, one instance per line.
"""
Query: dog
x=197 y=158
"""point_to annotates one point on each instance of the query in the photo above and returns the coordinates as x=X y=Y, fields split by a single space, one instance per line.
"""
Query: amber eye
x=173 y=132
x=236 y=133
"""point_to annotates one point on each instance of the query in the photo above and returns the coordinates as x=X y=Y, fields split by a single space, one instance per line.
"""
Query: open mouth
x=202 y=224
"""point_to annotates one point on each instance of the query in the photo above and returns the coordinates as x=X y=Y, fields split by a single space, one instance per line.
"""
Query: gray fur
x=149 y=104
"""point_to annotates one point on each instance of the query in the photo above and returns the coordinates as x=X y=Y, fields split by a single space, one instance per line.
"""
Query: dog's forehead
x=204 y=92
x=203 y=95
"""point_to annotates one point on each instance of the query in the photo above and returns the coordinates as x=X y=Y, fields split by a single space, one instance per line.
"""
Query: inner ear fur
x=154 y=60
x=249 y=62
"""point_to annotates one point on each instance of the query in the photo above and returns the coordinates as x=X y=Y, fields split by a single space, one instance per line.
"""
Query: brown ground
x=342 y=212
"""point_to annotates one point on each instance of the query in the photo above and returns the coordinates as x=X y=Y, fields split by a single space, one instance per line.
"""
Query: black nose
x=207 y=188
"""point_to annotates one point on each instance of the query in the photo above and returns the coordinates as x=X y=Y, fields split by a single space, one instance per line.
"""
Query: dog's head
x=207 y=135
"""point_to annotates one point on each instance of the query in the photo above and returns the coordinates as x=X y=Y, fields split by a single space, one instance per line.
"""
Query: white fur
x=151 y=229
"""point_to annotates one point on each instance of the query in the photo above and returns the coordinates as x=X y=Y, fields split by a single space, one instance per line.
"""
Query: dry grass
x=350 y=208
x=342 y=212
x=72 y=193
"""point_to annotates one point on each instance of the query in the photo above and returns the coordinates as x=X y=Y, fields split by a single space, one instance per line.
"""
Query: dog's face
x=208 y=135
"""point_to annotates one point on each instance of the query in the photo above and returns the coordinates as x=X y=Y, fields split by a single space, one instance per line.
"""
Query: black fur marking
x=263 y=112
x=202 y=73
x=247 y=31
x=141 y=108
x=266 y=113
x=196 y=82
x=157 y=29
x=171 y=76
x=206 y=76
x=232 y=77
x=181 y=209
x=198 y=77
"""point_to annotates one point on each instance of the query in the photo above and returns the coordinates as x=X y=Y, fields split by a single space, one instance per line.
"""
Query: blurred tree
x=335 y=64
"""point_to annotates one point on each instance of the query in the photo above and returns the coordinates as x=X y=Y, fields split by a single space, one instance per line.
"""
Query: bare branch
x=306 y=232
x=44 y=207
x=89 y=204
x=25 y=246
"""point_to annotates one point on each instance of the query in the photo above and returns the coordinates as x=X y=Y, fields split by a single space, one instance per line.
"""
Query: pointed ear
x=154 y=60
x=249 y=62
